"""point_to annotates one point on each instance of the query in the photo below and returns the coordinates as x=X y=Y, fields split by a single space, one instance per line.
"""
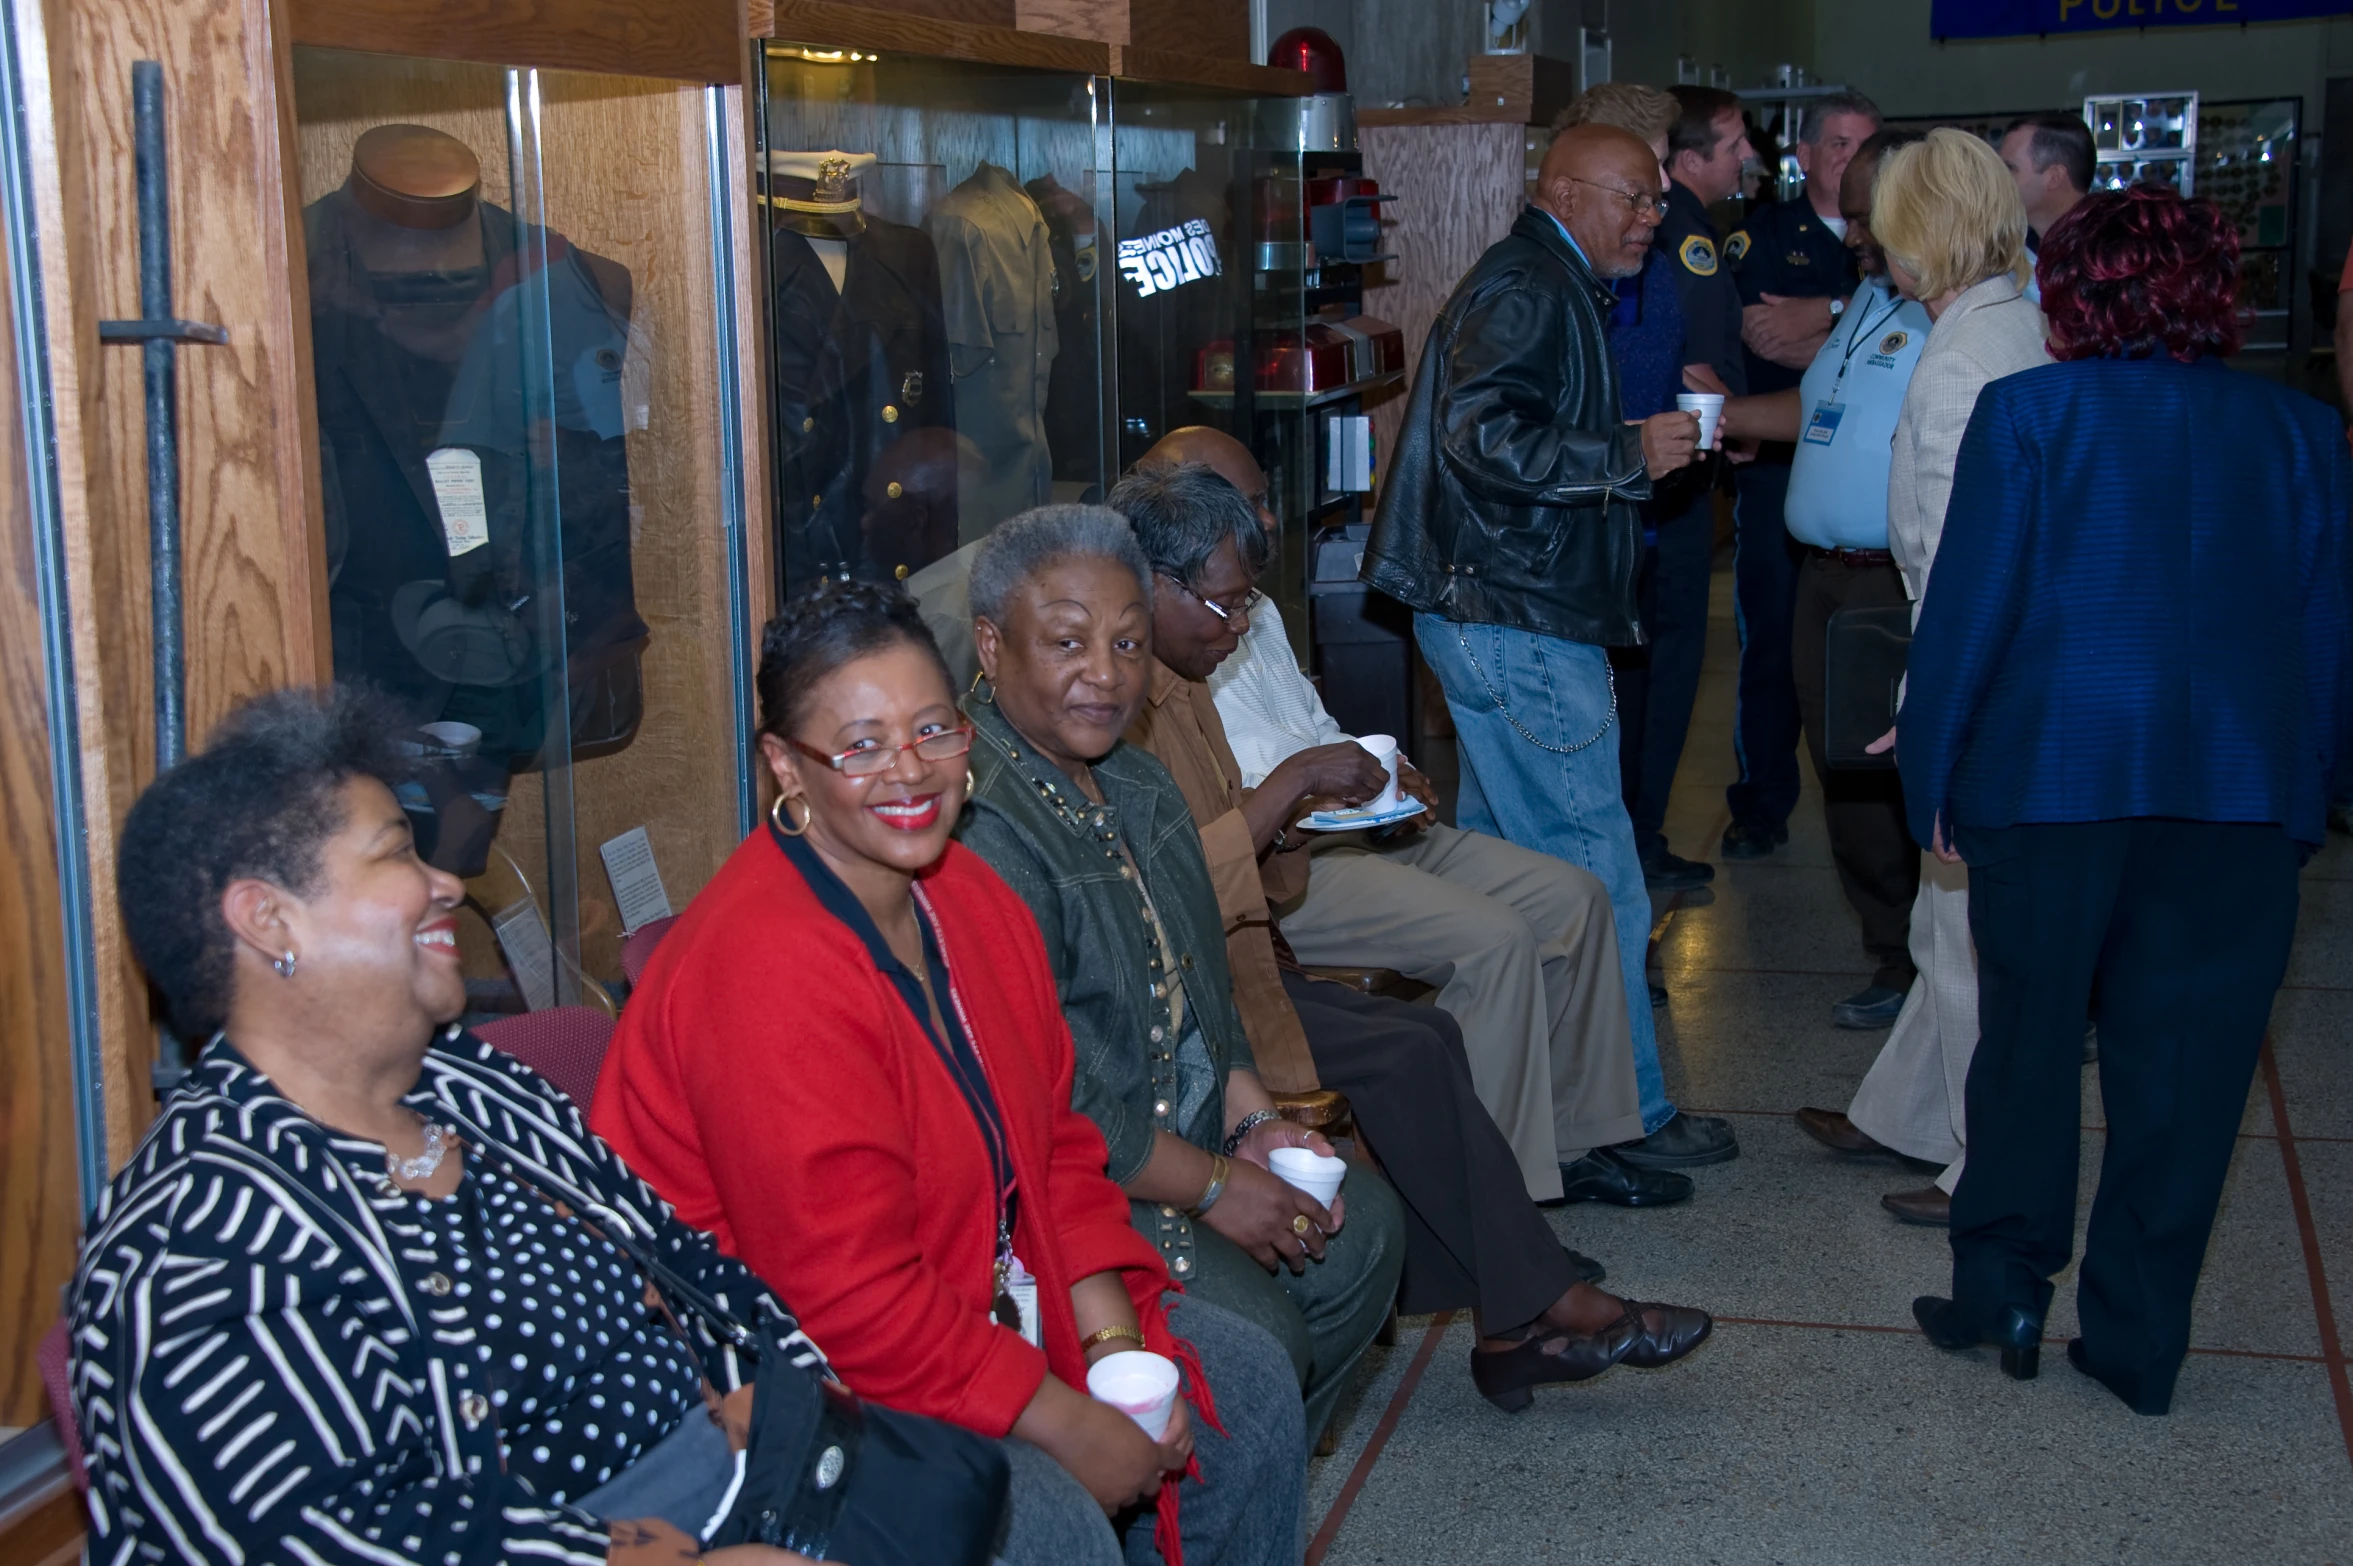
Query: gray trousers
x=1327 y=1316
x=1247 y=1509
x=1523 y=949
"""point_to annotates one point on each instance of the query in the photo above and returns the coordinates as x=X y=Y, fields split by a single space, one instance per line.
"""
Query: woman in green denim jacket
x=1094 y=835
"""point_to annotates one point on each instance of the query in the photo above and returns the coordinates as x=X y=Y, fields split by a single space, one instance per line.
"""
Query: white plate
x=1359 y=820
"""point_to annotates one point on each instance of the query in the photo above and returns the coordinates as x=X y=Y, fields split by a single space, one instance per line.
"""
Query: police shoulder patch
x=1699 y=257
x=1737 y=245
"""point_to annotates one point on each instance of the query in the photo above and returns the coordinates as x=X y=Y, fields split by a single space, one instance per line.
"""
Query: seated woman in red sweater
x=848 y=1062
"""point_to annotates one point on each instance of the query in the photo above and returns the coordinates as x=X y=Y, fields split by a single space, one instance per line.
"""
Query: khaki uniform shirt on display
x=997 y=288
x=1180 y=726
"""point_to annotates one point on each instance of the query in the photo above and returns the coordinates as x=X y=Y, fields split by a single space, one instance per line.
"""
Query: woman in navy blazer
x=2126 y=697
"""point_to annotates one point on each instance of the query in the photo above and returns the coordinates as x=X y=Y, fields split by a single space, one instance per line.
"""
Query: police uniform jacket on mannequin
x=998 y=287
x=1074 y=392
x=437 y=585
x=861 y=355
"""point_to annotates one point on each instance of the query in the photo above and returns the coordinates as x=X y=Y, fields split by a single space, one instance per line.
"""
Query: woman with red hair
x=2128 y=691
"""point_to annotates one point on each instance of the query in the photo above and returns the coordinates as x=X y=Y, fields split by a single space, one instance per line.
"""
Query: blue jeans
x=1536 y=725
x=1765 y=727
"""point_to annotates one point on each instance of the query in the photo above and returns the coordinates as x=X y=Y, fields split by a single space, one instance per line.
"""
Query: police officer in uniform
x=1795 y=277
x=1706 y=147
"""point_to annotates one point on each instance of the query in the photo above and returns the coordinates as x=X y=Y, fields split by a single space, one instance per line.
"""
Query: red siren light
x=1311 y=49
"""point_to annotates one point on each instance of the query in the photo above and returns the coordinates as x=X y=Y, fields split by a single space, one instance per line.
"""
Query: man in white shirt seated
x=1522 y=945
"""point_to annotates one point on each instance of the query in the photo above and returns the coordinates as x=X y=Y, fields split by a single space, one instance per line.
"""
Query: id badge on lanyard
x=1822 y=427
x=1016 y=1304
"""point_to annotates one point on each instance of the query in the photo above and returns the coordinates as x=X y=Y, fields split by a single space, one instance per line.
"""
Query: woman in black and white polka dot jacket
x=328 y=1311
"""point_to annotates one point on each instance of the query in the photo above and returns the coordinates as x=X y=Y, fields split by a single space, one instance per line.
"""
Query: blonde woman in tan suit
x=1948 y=215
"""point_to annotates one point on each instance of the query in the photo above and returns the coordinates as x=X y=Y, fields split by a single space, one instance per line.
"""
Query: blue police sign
x=2008 y=18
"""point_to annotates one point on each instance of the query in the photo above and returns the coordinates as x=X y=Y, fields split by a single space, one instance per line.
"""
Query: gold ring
x=1300 y=1225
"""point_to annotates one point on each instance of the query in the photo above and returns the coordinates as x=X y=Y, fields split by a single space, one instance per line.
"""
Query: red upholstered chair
x=51 y=1358
x=565 y=1044
x=637 y=949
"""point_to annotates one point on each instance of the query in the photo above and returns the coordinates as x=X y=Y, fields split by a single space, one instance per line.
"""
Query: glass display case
x=2247 y=159
x=2145 y=136
x=519 y=310
x=937 y=293
x=1265 y=337
x=992 y=286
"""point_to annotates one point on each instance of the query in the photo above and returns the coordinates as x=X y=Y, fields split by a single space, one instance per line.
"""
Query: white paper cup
x=457 y=739
x=1311 y=1172
x=1140 y=1385
x=1384 y=751
x=1708 y=407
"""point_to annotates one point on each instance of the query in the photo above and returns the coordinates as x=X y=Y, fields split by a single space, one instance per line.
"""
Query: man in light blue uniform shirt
x=1843 y=417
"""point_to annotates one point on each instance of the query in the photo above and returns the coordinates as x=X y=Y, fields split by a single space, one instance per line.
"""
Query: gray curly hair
x=1020 y=547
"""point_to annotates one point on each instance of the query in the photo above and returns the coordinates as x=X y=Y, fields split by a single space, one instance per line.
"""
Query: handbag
x=819 y=1471
x=1863 y=653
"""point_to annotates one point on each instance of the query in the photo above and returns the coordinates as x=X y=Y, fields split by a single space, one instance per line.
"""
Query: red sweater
x=771 y=1083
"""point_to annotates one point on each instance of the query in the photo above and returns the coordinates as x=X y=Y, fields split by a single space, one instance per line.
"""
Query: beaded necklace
x=1098 y=821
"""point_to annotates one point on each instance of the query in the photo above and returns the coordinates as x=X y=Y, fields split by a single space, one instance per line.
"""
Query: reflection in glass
x=934 y=264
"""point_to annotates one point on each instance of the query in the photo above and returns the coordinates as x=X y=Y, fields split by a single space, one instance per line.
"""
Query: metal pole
x=159 y=363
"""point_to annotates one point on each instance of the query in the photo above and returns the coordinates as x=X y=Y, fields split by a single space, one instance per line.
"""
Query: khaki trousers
x=1912 y=1099
x=1523 y=951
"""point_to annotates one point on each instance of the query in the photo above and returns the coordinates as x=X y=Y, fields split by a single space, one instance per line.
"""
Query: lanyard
x=961 y=1057
x=1856 y=336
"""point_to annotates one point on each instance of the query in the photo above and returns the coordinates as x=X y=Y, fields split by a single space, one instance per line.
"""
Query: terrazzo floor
x=1817 y=1426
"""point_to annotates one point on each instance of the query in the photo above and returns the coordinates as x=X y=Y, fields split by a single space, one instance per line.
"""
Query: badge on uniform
x=1737 y=245
x=1699 y=256
x=1893 y=343
x=1822 y=428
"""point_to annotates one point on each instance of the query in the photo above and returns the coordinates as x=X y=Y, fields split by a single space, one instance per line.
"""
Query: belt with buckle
x=1853 y=557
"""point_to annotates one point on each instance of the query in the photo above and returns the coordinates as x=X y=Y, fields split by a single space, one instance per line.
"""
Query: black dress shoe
x=1665 y=1333
x=1585 y=1267
x=2081 y=1360
x=1744 y=841
x=1685 y=1142
x=1509 y=1378
x=1603 y=1176
x=1875 y=1007
x=2019 y=1335
x=1667 y=872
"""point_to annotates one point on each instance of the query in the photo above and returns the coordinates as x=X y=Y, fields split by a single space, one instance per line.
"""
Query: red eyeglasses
x=866 y=761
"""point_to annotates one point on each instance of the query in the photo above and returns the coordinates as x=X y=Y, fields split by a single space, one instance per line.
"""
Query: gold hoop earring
x=778 y=815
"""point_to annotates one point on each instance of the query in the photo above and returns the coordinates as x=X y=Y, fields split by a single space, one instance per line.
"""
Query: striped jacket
x=259 y=1373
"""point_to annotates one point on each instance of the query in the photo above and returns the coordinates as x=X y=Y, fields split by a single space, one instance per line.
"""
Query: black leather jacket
x=1512 y=498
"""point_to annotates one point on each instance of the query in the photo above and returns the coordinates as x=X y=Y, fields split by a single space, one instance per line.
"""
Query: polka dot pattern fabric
x=550 y=1323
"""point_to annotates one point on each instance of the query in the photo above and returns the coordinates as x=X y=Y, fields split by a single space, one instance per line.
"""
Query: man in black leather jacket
x=1508 y=523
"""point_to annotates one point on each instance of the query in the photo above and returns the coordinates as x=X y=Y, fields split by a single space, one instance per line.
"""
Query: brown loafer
x=1930 y=1208
x=1834 y=1131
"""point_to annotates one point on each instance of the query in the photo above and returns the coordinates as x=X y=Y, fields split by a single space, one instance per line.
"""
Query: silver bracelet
x=1247 y=1124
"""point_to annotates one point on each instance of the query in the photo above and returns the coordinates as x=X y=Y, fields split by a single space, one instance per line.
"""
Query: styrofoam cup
x=1707 y=407
x=1311 y=1172
x=1140 y=1385
x=1384 y=751
x=458 y=739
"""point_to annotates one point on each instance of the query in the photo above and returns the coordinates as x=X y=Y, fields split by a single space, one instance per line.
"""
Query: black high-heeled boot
x=2019 y=1335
